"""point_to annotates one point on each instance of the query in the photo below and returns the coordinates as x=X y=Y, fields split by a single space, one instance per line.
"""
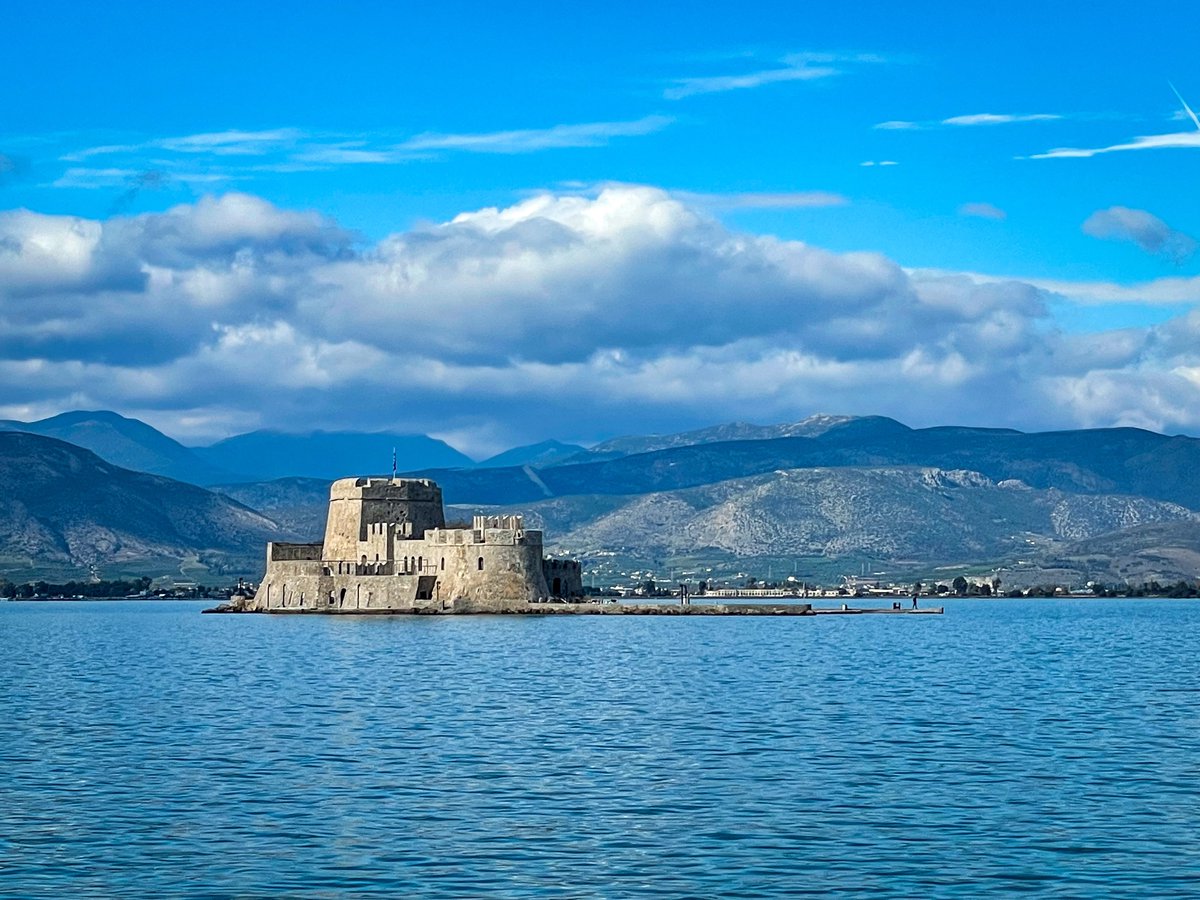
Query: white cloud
x=228 y=155
x=968 y=120
x=982 y=211
x=1174 y=291
x=881 y=162
x=794 y=67
x=588 y=134
x=558 y=315
x=994 y=119
x=1148 y=231
x=219 y=143
x=1178 y=140
x=92 y=178
x=764 y=199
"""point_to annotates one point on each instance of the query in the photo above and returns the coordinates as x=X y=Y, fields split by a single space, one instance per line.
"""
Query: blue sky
x=1022 y=149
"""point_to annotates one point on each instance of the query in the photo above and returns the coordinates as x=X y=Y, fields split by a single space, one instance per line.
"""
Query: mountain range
x=63 y=511
x=825 y=495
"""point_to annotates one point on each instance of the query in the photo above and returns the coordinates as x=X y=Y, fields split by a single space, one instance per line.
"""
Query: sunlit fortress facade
x=387 y=548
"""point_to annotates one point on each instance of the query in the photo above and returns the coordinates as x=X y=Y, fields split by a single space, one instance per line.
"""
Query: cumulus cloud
x=1148 y=231
x=1173 y=291
x=560 y=315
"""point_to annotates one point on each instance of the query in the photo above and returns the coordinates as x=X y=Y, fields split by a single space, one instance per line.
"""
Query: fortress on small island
x=387 y=548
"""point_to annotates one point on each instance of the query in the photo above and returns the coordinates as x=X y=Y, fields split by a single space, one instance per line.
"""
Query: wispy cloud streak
x=1186 y=108
x=994 y=119
x=982 y=211
x=1177 y=140
x=764 y=200
x=589 y=134
x=794 y=67
x=218 y=143
x=974 y=119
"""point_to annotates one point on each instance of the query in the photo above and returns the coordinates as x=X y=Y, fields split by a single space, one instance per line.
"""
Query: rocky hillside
x=298 y=505
x=826 y=520
x=63 y=509
x=1160 y=551
x=823 y=522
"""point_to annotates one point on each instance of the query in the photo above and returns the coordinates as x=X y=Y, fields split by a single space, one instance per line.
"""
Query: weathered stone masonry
x=387 y=547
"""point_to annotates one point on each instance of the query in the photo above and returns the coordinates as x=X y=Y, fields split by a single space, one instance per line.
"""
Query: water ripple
x=1011 y=747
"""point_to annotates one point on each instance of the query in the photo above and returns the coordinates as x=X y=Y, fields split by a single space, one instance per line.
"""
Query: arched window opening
x=481 y=564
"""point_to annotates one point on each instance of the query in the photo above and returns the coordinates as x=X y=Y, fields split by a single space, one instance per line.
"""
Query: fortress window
x=420 y=564
x=481 y=564
x=443 y=564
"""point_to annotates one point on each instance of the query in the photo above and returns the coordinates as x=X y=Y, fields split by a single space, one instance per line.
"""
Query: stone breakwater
x=597 y=609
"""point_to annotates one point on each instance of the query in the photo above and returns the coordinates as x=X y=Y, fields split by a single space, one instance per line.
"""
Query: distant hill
x=850 y=492
x=827 y=520
x=63 y=509
x=298 y=505
x=1096 y=461
x=1159 y=551
x=128 y=443
x=265 y=455
x=813 y=426
x=547 y=453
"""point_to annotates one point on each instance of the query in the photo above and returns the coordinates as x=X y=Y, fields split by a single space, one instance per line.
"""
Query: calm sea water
x=1047 y=748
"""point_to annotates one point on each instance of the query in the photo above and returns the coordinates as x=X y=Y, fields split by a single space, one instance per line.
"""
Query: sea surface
x=1008 y=748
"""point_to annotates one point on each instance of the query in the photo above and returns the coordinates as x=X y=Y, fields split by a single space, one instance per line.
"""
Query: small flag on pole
x=393 y=464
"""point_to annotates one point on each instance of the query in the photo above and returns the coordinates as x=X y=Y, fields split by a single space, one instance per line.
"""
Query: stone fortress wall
x=386 y=547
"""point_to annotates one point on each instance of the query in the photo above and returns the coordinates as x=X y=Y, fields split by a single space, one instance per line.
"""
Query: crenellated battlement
x=387 y=547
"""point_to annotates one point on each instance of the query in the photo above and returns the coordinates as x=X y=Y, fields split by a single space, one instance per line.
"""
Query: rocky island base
x=500 y=607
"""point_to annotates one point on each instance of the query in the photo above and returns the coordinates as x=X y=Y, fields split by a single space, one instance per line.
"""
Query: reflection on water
x=1044 y=747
